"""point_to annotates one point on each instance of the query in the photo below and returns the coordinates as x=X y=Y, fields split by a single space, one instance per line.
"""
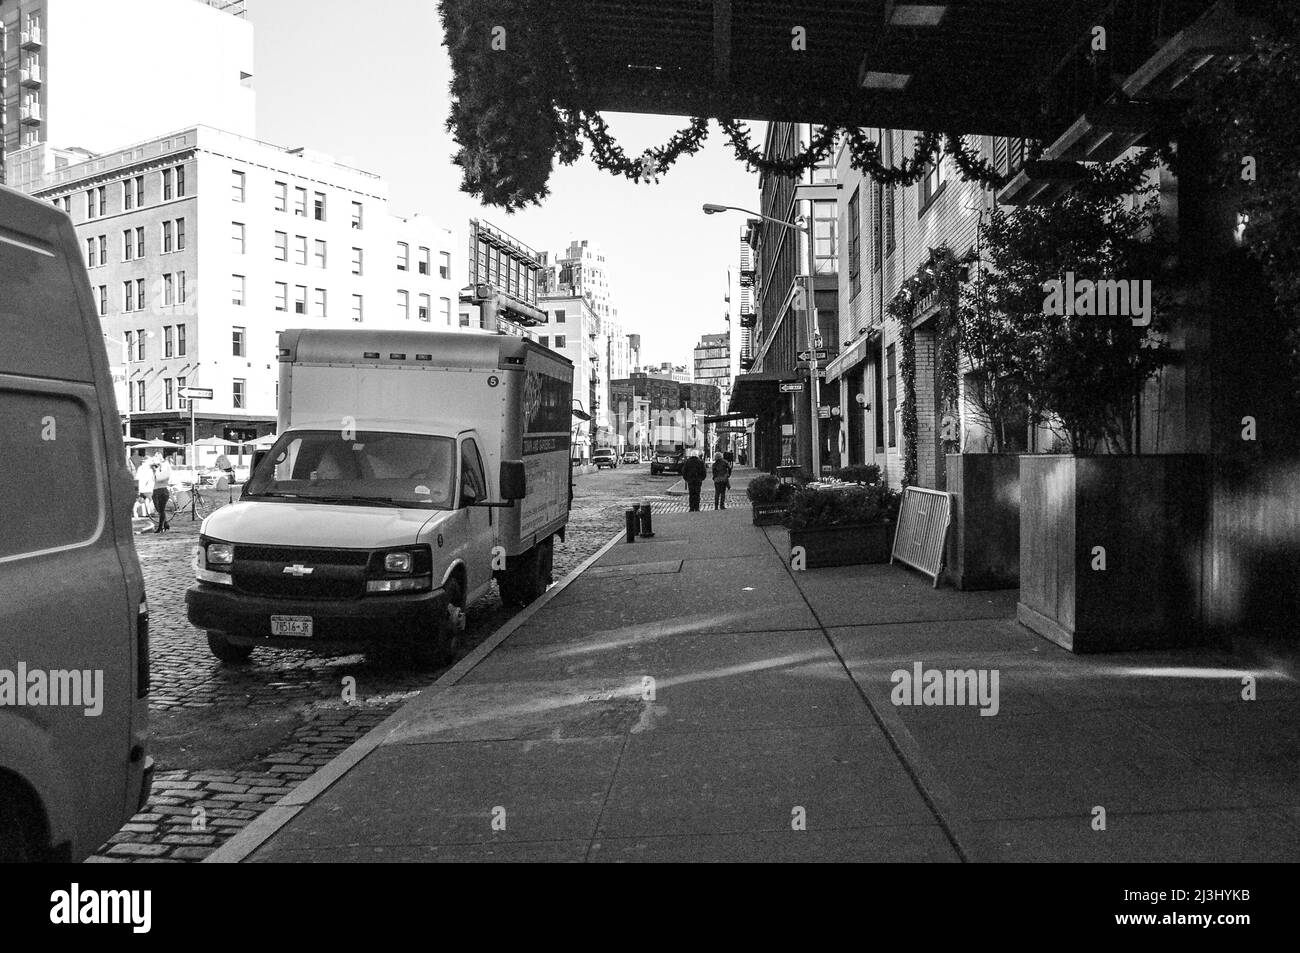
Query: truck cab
x=376 y=528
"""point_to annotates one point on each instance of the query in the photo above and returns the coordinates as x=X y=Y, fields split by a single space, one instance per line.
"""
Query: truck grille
x=334 y=573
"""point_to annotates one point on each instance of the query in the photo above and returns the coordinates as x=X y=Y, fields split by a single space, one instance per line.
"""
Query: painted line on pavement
x=269 y=822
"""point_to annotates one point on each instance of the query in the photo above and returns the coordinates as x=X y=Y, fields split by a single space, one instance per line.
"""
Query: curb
x=673 y=491
x=266 y=824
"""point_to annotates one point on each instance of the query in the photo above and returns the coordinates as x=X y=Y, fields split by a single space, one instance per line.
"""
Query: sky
x=367 y=84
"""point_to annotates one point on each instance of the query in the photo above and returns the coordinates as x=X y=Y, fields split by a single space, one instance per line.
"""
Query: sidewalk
x=690 y=698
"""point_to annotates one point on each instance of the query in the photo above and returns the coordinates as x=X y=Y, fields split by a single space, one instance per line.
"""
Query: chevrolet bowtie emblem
x=299 y=570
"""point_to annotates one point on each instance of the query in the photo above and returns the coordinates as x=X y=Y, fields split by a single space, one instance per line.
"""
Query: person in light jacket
x=153 y=479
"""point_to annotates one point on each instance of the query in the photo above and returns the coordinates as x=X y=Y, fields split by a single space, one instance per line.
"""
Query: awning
x=723 y=418
x=752 y=394
x=845 y=361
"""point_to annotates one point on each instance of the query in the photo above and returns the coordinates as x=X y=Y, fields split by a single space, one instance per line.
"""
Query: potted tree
x=842 y=526
x=770 y=499
x=1109 y=538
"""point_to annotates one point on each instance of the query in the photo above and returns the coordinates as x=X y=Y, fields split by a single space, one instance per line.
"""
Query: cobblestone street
x=231 y=740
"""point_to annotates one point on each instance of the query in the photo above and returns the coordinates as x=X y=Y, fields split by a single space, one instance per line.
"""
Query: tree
x=995 y=394
x=1079 y=372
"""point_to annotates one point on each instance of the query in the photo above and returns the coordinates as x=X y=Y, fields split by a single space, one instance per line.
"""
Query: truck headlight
x=213 y=561
x=220 y=554
x=397 y=562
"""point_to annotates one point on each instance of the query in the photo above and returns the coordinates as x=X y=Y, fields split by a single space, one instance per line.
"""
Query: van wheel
x=526 y=582
x=226 y=650
x=23 y=835
x=449 y=630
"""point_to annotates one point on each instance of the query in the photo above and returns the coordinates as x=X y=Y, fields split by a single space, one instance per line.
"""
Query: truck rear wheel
x=23 y=835
x=525 y=582
x=227 y=651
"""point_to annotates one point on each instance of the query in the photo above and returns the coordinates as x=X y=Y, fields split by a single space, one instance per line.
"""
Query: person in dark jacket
x=693 y=472
x=721 y=481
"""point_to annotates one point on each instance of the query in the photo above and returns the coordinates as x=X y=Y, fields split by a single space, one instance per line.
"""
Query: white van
x=74 y=625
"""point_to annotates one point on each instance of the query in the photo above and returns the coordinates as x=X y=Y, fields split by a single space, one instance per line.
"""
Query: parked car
x=630 y=457
x=666 y=461
x=605 y=457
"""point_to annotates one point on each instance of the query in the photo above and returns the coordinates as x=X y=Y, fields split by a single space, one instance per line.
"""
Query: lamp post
x=810 y=307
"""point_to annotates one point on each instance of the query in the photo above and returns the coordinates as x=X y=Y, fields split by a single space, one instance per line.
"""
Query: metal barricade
x=922 y=530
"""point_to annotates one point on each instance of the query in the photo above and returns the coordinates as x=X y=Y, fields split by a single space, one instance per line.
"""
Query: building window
x=167 y=337
x=300 y=201
x=180 y=234
x=237 y=185
x=139 y=242
x=128 y=296
x=445 y=305
x=320 y=302
x=139 y=293
x=169 y=292
x=180 y=328
x=128 y=195
x=282 y=196
x=422 y=263
x=139 y=396
x=103 y=249
x=545 y=341
x=444 y=264
x=237 y=394
x=128 y=245
x=166 y=237
x=319 y=253
x=559 y=316
x=825 y=238
x=103 y=300
x=559 y=342
x=357 y=305
x=299 y=299
x=128 y=338
x=237 y=342
x=180 y=181
x=356 y=214
x=877 y=226
x=300 y=249
x=237 y=287
x=139 y=344
x=424 y=307
x=167 y=393
x=90 y=253
x=281 y=246
x=931 y=184
x=181 y=297
x=167 y=185
x=891 y=388
x=356 y=261
x=237 y=238
x=318 y=206
x=404 y=304
x=281 y=296
x=855 y=245
x=403 y=256
x=181 y=402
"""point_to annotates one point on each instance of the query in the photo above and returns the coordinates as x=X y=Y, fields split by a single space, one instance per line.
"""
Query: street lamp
x=810 y=302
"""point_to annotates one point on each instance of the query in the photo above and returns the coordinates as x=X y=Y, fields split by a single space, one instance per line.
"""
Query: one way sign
x=807 y=355
x=194 y=393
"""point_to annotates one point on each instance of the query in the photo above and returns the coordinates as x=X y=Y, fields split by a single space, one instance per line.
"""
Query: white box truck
x=410 y=469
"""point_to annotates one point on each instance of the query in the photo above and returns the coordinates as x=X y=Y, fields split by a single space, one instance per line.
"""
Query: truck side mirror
x=514 y=485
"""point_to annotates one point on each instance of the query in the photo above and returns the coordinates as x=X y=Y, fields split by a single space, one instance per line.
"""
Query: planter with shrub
x=984 y=549
x=770 y=499
x=843 y=526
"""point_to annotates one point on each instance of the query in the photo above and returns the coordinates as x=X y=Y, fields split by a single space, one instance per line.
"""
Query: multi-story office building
x=713 y=363
x=572 y=329
x=666 y=371
x=202 y=245
x=783 y=428
x=505 y=278
x=151 y=64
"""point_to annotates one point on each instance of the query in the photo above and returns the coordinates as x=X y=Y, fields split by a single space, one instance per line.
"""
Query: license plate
x=298 y=626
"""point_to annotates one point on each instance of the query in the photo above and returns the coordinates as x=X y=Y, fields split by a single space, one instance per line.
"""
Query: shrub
x=843 y=506
x=763 y=489
x=858 y=473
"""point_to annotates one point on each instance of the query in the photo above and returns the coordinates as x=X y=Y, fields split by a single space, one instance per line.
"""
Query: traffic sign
x=792 y=387
x=807 y=355
x=194 y=393
x=803 y=367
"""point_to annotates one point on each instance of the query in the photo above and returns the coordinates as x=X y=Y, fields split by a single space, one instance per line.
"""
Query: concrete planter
x=1148 y=516
x=844 y=545
x=984 y=548
x=770 y=514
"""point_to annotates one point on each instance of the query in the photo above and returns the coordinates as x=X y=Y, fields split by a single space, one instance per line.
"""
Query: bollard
x=647 y=528
x=630 y=518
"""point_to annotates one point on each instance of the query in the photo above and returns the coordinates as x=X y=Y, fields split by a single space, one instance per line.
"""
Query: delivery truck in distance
x=411 y=469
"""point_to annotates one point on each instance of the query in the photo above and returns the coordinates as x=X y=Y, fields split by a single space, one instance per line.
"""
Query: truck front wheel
x=226 y=650
x=449 y=629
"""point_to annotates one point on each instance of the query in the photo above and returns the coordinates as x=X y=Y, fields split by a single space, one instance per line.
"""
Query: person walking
x=154 y=478
x=693 y=473
x=721 y=481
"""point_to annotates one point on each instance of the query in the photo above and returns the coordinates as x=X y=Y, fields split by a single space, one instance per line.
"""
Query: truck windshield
x=365 y=467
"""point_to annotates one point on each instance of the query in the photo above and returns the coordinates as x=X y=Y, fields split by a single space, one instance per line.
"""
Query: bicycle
x=185 y=497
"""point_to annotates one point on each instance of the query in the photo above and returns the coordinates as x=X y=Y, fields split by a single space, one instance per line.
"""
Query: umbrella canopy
x=159 y=445
x=218 y=442
x=264 y=443
x=132 y=441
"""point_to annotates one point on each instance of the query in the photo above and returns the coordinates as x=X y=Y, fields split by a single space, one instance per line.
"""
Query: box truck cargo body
x=411 y=469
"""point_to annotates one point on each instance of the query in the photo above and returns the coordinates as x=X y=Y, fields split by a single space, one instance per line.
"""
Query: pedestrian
x=156 y=473
x=721 y=481
x=693 y=473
